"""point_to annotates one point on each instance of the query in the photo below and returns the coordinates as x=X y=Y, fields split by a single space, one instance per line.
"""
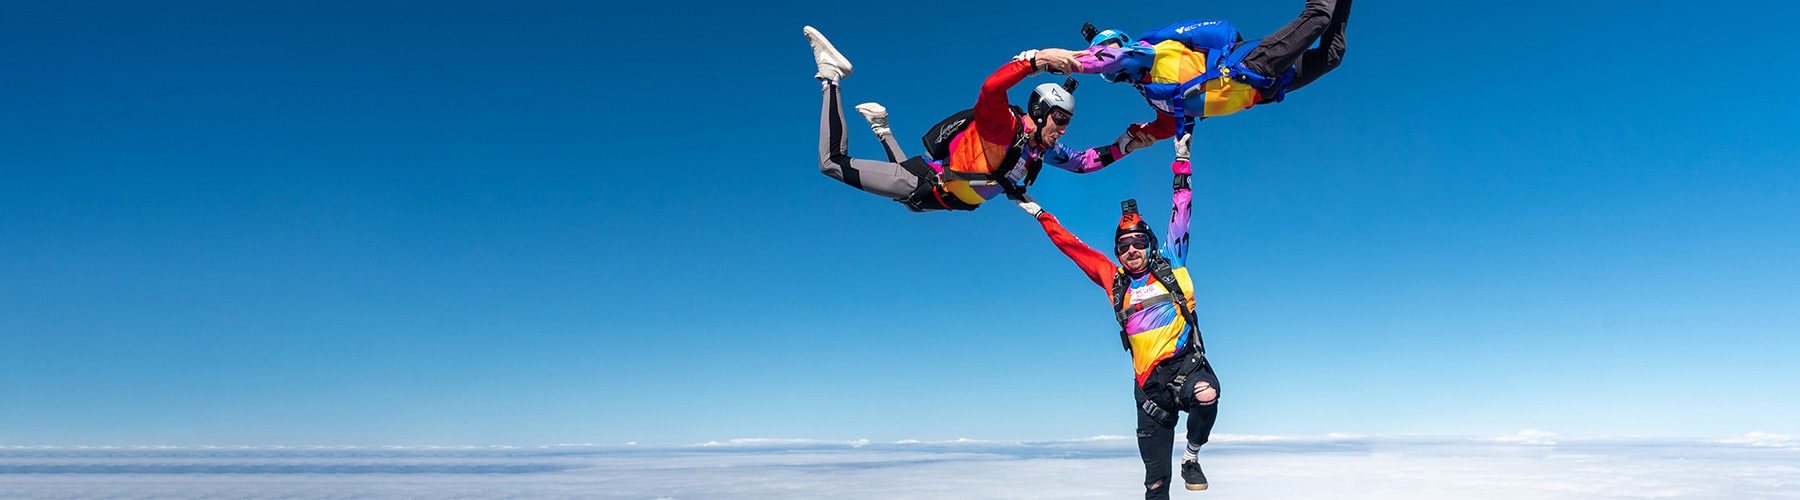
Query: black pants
x=1322 y=21
x=1156 y=436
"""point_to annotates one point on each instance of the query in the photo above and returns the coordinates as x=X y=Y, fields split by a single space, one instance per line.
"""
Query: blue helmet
x=1114 y=36
x=1133 y=65
x=1123 y=40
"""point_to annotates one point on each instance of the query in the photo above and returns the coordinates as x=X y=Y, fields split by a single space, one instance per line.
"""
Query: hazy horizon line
x=1527 y=436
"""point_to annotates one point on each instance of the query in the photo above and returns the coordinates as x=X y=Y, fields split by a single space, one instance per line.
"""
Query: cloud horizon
x=1529 y=464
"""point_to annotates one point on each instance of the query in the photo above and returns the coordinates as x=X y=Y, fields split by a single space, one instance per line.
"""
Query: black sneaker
x=1190 y=473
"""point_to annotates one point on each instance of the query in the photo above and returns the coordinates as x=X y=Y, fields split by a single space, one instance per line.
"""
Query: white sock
x=1192 y=455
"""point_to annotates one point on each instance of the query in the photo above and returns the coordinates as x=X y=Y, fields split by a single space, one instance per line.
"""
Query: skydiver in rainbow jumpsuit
x=1194 y=70
x=1153 y=299
x=995 y=153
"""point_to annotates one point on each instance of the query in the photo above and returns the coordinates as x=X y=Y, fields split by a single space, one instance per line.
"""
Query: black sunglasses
x=1130 y=242
x=1061 y=119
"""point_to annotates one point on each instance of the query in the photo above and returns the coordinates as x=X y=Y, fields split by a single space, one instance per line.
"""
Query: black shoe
x=1190 y=473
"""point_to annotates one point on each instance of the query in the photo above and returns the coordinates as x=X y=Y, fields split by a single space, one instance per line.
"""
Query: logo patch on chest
x=1146 y=292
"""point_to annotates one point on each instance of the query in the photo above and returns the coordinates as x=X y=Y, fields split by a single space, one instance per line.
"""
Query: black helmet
x=1131 y=222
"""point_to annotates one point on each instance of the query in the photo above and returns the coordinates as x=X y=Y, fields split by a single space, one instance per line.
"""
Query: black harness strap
x=1159 y=268
x=1013 y=153
x=1165 y=275
x=1183 y=365
x=1190 y=360
x=1121 y=284
x=1016 y=151
x=1149 y=406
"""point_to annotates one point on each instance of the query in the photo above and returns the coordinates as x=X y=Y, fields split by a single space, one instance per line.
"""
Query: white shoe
x=877 y=117
x=832 y=65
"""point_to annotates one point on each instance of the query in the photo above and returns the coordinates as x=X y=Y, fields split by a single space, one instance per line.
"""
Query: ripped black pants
x=1156 y=429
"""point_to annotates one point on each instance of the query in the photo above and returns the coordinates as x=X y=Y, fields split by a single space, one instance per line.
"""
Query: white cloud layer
x=1531 y=464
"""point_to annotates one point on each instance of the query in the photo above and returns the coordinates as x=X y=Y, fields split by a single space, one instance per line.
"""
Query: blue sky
x=367 y=224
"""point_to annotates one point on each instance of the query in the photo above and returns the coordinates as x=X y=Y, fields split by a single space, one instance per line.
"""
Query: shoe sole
x=1196 y=487
x=872 y=114
x=821 y=44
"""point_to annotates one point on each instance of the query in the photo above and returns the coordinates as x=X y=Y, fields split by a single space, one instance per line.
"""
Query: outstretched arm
x=1137 y=136
x=1100 y=59
x=993 y=115
x=1088 y=160
x=1182 y=212
x=1163 y=127
x=1132 y=60
x=1092 y=262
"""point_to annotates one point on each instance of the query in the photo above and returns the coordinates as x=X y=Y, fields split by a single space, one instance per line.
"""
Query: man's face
x=1132 y=250
x=1054 y=127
